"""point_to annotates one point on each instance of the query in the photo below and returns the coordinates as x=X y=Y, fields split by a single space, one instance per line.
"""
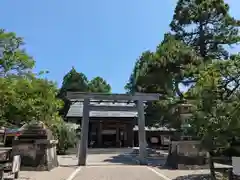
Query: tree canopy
x=206 y=26
x=77 y=81
x=195 y=54
x=74 y=81
x=24 y=96
x=24 y=100
x=98 y=84
x=200 y=31
x=13 y=58
x=164 y=71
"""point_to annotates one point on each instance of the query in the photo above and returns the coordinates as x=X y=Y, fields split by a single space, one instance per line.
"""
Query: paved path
x=97 y=159
x=114 y=166
x=59 y=173
x=109 y=159
x=110 y=166
x=106 y=166
x=117 y=172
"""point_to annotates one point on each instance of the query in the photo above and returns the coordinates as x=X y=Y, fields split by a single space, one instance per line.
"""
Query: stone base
x=36 y=156
x=186 y=155
x=175 y=161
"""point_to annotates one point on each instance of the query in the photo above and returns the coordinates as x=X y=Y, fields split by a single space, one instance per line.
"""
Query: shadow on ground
x=119 y=156
x=121 y=159
x=194 y=177
x=97 y=160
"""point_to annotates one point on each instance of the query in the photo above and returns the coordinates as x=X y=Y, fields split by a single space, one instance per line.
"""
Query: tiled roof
x=76 y=110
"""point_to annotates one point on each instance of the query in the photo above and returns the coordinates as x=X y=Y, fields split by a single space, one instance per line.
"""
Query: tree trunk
x=202 y=43
x=211 y=166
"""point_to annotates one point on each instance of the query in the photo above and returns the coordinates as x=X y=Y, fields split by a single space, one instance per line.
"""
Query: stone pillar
x=130 y=135
x=84 y=134
x=141 y=132
x=117 y=136
x=90 y=129
x=99 y=134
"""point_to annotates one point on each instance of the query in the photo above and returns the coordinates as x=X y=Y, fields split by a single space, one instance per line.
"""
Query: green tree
x=163 y=71
x=135 y=83
x=206 y=26
x=216 y=121
x=24 y=99
x=13 y=58
x=72 y=81
x=178 y=61
x=98 y=84
x=23 y=95
x=146 y=78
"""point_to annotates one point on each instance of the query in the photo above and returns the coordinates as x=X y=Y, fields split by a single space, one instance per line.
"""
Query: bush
x=66 y=136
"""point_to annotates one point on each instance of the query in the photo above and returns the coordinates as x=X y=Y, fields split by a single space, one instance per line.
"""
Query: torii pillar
x=141 y=132
x=82 y=151
x=139 y=98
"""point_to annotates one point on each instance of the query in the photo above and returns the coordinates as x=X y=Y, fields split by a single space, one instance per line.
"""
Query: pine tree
x=207 y=26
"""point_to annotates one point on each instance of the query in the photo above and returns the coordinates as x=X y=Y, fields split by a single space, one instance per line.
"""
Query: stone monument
x=37 y=147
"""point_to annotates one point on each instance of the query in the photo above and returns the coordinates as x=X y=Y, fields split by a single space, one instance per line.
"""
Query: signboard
x=236 y=165
x=154 y=140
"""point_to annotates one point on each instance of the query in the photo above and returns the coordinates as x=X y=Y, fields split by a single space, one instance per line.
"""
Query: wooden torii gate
x=138 y=98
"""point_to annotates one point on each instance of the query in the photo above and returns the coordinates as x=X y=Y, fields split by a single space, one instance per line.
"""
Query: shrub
x=66 y=136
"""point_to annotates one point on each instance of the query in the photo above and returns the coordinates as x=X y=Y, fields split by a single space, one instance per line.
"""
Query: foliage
x=74 y=81
x=211 y=116
x=138 y=73
x=195 y=54
x=24 y=96
x=217 y=98
x=78 y=82
x=13 y=58
x=23 y=99
x=65 y=135
x=206 y=26
x=163 y=71
x=216 y=120
x=98 y=84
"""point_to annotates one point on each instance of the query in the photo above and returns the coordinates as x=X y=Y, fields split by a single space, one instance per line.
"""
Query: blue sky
x=99 y=38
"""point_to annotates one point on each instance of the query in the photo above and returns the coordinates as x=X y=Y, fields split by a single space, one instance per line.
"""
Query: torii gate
x=139 y=98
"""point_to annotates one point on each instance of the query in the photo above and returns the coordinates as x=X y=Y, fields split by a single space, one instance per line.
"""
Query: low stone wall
x=186 y=155
x=39 y=155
